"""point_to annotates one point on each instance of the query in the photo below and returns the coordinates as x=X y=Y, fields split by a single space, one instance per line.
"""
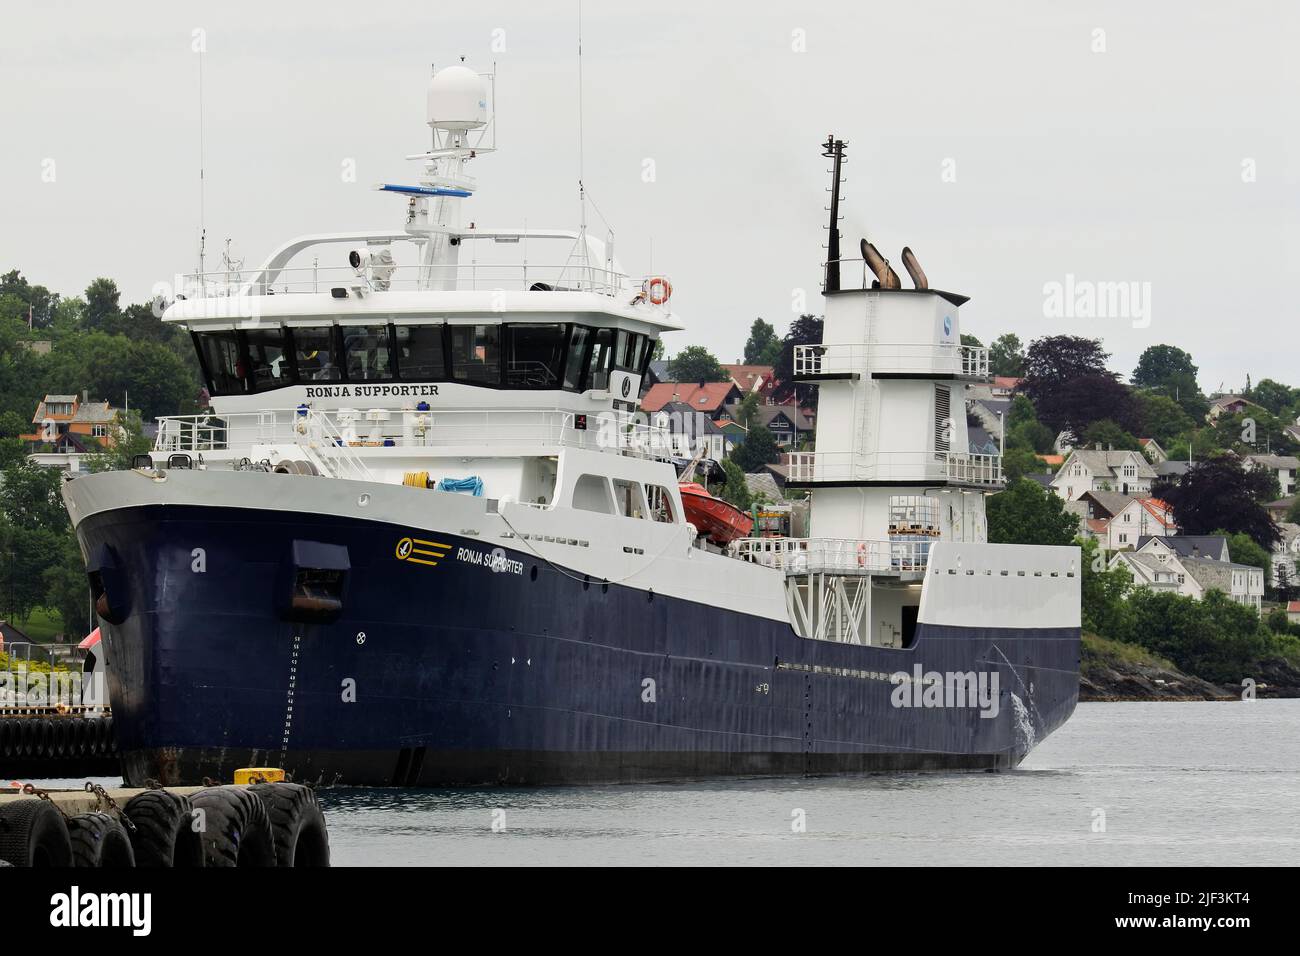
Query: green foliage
x=1162 y=418
x=1293 y=512
x=735 y=490
x=67 y=591
x=1106 y=433
x=758 y=449
x=695 y=363
x=971 y=341
x=29 y=497
x=747 y=411
x=1279 y=399
x=1170 y=371
x=1218 y=493
x=1018 y=462
x=805 y=330
x=1024 y=431
x=1026 y=513
x=1007 y=356
x=763 y=346
x=1214 y=638
x=1243 y=550
x=1103 y=591
x=131 y=441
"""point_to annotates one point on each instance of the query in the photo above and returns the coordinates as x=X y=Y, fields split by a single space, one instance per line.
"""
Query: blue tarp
x=473 y=484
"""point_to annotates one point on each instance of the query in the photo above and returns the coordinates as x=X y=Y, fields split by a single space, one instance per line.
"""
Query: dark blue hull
x=455 y=673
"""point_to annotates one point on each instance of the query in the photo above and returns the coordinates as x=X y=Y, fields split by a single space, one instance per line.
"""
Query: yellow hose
x=416 y=479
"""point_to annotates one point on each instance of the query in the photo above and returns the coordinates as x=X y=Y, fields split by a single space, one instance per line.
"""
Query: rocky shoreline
x=1113 y=672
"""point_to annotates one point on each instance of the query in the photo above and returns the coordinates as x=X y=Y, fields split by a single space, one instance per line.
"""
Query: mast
x=834 y=151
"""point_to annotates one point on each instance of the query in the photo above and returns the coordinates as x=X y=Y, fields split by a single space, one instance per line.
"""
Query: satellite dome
x=457 y=99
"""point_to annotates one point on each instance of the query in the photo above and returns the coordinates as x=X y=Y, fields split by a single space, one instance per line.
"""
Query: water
x=1179 y=783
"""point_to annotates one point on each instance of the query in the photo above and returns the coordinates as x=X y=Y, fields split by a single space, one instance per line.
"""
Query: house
x=1228 y=405
x=1197 y=564
x=1293 y=612
x=1277 y=510
x=708 y=397
x=991 y=413
x=1085 y=469
x=1287 y=553
x=1004 y=386
x=788 y=424
x=656 y=372
x=758 y=379
x=1173 y=469
x=1151 y=448
x=1285 y=467
x=692 y=432
x=11 y=635
x=981 y=442
x=1118 y=522
x=58 y=415
x=1292 y=431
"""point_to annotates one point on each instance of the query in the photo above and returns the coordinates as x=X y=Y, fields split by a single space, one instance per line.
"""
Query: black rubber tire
x=80 y=739
x=32 y=833
x=99 y=840
x=164 y=835
x=110 y=739
x=236 y=830
x=7 y=738
x=44 y=731
x=297 y=824
x=63 y=736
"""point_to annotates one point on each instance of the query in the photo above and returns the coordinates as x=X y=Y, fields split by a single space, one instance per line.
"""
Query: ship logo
x=419 y=551
x=947 y=325
x=627 y=387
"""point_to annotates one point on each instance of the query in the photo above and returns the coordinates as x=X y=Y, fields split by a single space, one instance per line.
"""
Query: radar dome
x=457 y=99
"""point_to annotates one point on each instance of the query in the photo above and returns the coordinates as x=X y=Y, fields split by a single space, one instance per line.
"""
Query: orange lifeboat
x=718 y=520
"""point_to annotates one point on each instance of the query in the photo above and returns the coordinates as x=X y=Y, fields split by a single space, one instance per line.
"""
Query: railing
x=834 y=555
x=896 y=466
x=343 y=436
x=969 y=361
x=521 y=277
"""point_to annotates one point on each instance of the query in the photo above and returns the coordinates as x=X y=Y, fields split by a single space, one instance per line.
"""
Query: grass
x=42 y=625
x=1101 y=650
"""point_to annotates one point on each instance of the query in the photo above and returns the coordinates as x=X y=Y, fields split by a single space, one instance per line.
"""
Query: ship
x=423 y=536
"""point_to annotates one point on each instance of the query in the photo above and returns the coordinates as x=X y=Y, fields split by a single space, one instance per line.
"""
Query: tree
x=1162 y=418
x=1026 y=513
x=66 y=589
x=805 y=330
x=971 y=341
x=1067 y=380
x=1219 y=493
x=1170 y=371
x=763 y=346
x=1007 y=356
x=1274 y=396
x=1018 y=462
x=1106 y=433
x=1103 y=592
x=735 y=490
x=747 y=411
x=25 y=553
x=29 y=498
x=1293 y=512
x=1243 y=550
x=695 y=363
x=130 y=442
x=1215 y=638
x=101 y=304
x=758 y=449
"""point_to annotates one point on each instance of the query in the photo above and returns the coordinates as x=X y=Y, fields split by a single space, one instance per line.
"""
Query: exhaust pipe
x=914 y=269
x=885 y=275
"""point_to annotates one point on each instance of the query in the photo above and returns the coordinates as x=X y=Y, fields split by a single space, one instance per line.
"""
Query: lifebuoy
x=862 y=554
x=659 y=290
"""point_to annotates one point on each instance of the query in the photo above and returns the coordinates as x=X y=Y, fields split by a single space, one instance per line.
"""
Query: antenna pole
x=203 y=231
x=582 y=189
x=835 y=152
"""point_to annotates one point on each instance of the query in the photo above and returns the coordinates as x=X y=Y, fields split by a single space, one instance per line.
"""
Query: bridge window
x=535 y=355
x=369 y=359
x=316 y=355
x=268 y=361
x=476 y=354
x=573 y=365
x=591 y=493
x=602 y=359
x=627 y=496
x=222 y=362
x=661 y=503
x=421 y=355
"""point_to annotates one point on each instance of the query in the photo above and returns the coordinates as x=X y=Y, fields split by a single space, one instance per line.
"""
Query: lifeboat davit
x=719 y=521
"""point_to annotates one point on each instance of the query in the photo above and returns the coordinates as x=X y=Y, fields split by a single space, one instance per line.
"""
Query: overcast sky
x=1010 y=144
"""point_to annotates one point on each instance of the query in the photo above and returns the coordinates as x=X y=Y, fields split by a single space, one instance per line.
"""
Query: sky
x=1011 y=145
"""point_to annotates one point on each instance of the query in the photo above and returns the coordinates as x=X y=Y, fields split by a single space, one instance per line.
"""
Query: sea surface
x=1133 y=783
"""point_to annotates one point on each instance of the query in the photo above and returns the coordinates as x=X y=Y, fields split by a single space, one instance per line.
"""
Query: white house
x=1285 y=467
x=1197 y=563
x=1086 y=469
x=1287 y=552
x=1151 y=448
x=1120 y=521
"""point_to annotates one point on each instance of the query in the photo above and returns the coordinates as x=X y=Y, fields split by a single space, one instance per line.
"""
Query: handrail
x=835 y=555
x=896 y=466
x=339 y=436
x=942 y=358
